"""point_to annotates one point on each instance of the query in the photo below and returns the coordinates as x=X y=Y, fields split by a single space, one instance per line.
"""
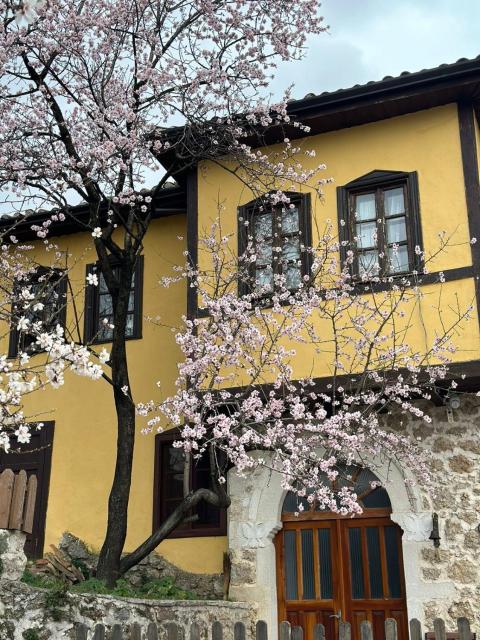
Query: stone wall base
x=23 y=608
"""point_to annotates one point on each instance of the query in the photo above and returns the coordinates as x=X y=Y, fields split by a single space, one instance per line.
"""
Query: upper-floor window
x=99 y=307
x=379 y=217
x=279 y=234
x=44 y=311
x=169 y=490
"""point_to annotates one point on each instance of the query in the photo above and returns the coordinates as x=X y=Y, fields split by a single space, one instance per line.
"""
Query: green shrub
x=161 y=589
x=92 y=585
x=55 y=599
x=39 y=581
x=81 y=566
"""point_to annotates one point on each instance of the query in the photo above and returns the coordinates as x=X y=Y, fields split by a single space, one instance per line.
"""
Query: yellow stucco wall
x=427 y=142
x=83 y=450
x=85 y=432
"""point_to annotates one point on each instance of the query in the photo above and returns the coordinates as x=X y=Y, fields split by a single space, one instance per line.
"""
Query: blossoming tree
x=246 y=391
x=98 y=100
x=32 y=299
x=89 y=92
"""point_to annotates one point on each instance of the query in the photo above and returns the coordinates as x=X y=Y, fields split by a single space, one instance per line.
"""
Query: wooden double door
x=341 y=569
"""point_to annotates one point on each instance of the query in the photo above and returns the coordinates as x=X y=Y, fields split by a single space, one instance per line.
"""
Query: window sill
x=198 y=533
x=109 y=340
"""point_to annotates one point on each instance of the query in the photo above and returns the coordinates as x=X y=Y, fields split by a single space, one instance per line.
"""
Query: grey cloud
x=374 y=38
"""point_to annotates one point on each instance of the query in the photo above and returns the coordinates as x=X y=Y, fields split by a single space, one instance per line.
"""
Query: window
x=359 y=480
x=278 y=233
x=49 y=286
x=168 y=490
x=379 y=216
x=99 y=309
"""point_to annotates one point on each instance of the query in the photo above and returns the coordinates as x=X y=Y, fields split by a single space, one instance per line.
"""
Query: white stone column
x=253 y=522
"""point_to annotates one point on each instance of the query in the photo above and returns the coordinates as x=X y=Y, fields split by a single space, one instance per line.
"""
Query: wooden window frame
x=165 y=439
x=249 y=210
x=379 y=181
x=16 y=341
x=92 y=298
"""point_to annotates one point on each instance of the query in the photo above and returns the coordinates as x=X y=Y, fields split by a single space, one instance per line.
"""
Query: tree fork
x=220 y=500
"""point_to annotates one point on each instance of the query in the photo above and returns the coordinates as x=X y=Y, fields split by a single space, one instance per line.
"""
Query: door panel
x=348 y=566
x=306 y=562
x=373 y=577
x=308 y=619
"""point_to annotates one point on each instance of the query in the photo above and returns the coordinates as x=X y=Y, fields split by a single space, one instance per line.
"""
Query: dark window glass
x=325 y=555
x=103 y=328
x=292 y=503
x=48 y=286
x=208 y=515
x=393 y=561
x=380 y=217
x=290 y=554
x=99 y=308
x=378 y=221
x=374 y=562
x=361 y=481
x=376 y=499
x=308 y=565
x=277 y=233
x=356 y=563
x=168 y=492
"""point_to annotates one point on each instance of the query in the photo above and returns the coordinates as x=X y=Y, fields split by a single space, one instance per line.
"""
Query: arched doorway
x=331 y=567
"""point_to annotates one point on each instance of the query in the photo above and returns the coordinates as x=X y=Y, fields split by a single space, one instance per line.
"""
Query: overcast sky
x=369 y=39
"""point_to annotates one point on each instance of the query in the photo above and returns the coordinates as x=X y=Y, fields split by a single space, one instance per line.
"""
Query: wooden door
x=34 y=458
x=308 y=572
x=373 y=581
x=338 y=568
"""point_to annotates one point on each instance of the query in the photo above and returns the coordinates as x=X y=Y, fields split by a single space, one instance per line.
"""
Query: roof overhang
x=361 y=104
x=170 y=200
x=390 y=97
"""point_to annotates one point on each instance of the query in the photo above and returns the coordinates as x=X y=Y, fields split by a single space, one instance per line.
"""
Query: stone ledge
x=23 y=607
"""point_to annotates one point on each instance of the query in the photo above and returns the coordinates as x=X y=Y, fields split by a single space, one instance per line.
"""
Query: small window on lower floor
x=168 y=490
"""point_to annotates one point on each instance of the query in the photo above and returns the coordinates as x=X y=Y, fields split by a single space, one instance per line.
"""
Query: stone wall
x=453 y=447
x=443 y=582
x=154 y=566
x=23 y=609
x=27 y=612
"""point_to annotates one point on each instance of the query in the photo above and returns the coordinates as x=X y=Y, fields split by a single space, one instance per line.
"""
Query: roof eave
x=169 y=201
x=389 y=97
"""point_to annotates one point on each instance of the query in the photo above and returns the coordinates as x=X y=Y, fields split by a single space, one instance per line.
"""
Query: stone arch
x=254 y=518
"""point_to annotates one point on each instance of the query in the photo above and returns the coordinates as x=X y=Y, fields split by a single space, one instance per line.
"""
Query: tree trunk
x=218 y=499
x=108 y=568
x=110 y=563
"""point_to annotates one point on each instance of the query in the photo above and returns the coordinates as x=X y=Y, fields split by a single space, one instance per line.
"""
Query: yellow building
x=404 y=149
